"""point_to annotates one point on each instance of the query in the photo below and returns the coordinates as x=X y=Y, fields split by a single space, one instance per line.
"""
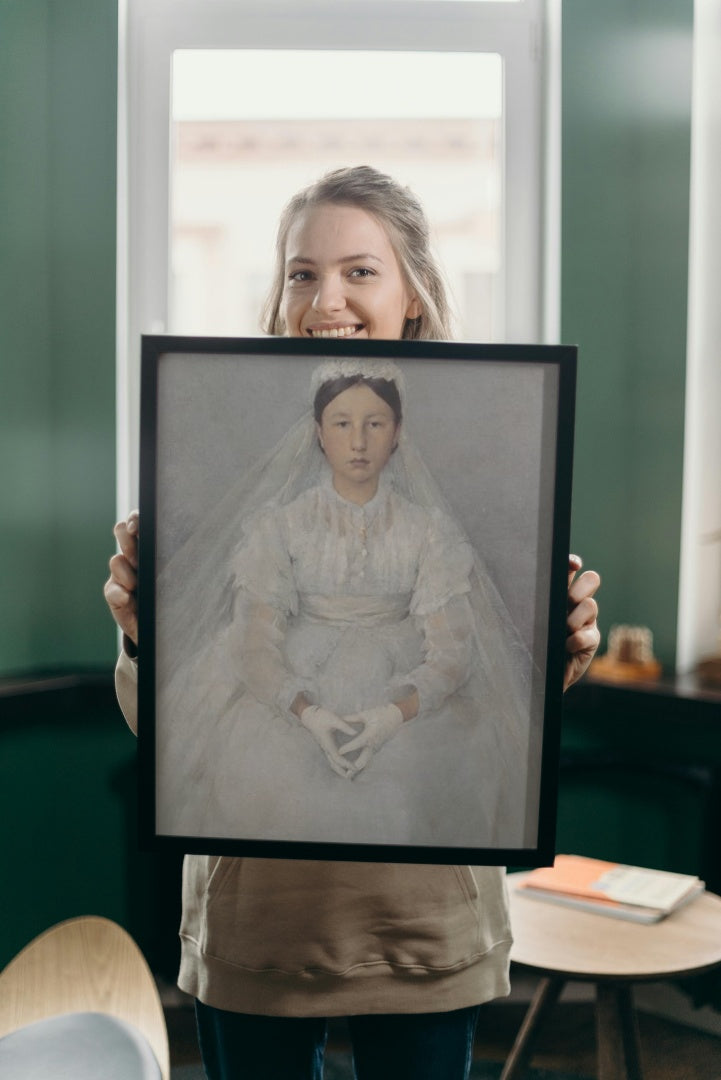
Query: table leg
x=545 y=997
x=617 y=1033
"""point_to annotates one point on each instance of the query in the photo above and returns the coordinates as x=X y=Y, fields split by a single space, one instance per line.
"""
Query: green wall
x=67 y=773
x=58 y=71
x=626 y=146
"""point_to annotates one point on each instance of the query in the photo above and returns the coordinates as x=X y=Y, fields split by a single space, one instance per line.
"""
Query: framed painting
x=352 y=597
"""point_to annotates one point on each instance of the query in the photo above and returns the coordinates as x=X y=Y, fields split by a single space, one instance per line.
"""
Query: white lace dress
x=355 y=606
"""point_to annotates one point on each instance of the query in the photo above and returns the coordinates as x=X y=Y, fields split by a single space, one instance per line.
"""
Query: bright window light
x=251 y=127
x=262 y=84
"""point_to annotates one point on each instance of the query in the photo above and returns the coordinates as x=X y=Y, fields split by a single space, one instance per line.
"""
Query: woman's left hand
x=379 y=725
x=583 y=635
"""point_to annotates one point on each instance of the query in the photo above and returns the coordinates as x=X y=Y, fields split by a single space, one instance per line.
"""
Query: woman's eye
x=300 y=276
x=362 y=272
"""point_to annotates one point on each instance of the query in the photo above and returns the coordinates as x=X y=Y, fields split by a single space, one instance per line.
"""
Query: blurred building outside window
x=235 y=161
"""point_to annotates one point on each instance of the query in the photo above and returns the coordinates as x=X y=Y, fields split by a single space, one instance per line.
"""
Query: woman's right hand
x=322 y=725
x=121 y=587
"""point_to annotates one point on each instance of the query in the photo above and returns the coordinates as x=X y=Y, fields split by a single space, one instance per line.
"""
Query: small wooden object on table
x=629 y=658
x=562 y=944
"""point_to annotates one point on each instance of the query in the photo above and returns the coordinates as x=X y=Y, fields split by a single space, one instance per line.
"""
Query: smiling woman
x=353 y=258
x=355 y=605
x=352 y=597
x=343 y=277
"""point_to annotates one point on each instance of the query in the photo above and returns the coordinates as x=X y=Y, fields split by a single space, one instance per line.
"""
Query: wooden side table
x=563 y=944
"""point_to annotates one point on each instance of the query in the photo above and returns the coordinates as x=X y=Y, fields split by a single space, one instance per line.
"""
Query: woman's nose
x=358 y=437
x=329 y=295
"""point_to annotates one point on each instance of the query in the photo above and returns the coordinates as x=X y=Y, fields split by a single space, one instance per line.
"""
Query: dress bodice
x=322 y=545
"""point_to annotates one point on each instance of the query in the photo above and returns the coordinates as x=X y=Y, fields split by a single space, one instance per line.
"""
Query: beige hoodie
x=285 y=937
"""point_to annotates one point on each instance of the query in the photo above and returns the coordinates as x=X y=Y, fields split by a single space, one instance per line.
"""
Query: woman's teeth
x=337 y=331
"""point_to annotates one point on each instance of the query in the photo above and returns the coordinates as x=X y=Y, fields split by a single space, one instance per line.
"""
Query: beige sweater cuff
x=126 y=688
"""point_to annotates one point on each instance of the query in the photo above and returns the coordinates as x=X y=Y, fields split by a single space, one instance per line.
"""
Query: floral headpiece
x=365 y=366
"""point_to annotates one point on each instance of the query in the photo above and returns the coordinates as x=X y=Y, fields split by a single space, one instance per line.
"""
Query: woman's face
x=342 y=277
x=358 y=432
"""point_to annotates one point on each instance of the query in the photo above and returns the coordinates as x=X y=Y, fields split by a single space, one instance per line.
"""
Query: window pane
x=252 y=127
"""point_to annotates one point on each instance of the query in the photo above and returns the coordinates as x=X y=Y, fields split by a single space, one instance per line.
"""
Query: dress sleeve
x=266 y=598
x=441 y=607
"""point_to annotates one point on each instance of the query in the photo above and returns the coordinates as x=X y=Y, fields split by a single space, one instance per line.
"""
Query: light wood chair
x=84 y=965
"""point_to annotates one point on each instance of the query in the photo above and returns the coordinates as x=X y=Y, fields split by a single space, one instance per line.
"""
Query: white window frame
x=699 y=597
x=526 y=34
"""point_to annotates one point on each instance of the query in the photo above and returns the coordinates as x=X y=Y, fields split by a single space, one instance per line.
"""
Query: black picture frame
x=494 y=424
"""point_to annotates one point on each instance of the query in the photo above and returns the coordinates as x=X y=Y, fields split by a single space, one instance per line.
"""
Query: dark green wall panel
x=641 y=777
x=26 y=490
x=83 y=146
x=68 y=803
x=62 y=789
x=626 y=145
x=58 y=77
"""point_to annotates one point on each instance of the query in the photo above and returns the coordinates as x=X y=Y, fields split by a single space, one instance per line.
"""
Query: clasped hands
x=376 y=727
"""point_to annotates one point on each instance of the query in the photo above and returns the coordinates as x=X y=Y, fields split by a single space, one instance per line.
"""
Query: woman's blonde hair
x=403 y=217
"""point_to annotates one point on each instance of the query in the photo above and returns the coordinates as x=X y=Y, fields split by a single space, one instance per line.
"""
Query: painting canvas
x=352 y=597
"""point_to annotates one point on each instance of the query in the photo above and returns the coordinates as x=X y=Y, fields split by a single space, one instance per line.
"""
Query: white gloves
x=379 y=725
x=322 y=724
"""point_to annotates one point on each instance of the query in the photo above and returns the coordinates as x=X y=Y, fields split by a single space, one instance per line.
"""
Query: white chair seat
x=78 y=1046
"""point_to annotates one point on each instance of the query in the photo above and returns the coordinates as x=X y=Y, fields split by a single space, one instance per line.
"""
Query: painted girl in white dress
x=379 y=693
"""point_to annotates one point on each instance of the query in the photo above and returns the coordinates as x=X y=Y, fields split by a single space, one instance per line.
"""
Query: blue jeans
x=415 y=1046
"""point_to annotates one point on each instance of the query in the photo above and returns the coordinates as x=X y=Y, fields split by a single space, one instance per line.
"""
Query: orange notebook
x=632 y=892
